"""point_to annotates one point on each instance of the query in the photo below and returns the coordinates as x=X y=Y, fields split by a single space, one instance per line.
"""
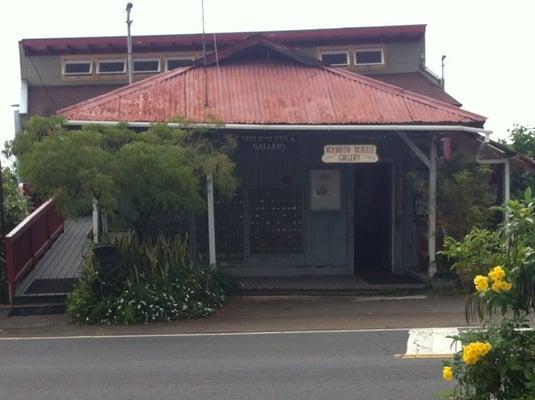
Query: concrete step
x=21 y=310
x=39 y=298
x=38 y=304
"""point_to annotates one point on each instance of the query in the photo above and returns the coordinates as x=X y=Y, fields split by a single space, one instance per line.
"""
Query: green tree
x=157 y=183
x=148 y=179
x=523 y=141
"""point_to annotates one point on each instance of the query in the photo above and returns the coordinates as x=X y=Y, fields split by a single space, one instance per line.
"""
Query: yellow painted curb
x=422 y=356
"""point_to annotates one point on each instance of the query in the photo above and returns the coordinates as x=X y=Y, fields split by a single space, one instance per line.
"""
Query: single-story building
x=323 y=158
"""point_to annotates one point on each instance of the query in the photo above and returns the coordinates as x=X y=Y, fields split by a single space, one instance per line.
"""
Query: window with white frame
x=335 y=58
x=178 y=62
x=146 y=66
x=369 y=57
x=111 y=67
x=77 y=67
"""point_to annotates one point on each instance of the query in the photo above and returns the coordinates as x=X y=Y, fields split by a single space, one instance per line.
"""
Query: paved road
x=351 y=365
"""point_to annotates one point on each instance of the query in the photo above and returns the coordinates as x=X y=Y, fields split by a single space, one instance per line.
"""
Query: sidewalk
x=271 y=313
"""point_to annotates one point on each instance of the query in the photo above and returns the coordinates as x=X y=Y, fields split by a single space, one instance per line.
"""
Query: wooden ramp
x=60 y=266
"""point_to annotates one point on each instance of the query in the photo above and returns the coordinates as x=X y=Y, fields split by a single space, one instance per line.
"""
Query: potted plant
x=444 y=280
x=473 y=255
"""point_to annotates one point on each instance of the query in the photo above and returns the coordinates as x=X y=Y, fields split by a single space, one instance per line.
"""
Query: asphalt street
x=344 y=365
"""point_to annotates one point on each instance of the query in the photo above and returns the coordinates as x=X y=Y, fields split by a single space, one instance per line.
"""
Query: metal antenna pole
x=442 y=79
x=129 y=43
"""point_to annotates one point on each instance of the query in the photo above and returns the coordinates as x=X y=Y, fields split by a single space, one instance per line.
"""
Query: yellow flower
x=501 y=286
x=482 y=283
x=447 y=373
x=473 y=352
x=497 y=273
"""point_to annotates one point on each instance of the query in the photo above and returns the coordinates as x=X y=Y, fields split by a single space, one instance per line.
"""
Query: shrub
x=154 y=281
x=498 y=361
x=503 y=370
x=475 y=252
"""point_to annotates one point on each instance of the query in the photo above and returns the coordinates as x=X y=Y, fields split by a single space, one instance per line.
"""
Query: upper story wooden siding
x=41 y=59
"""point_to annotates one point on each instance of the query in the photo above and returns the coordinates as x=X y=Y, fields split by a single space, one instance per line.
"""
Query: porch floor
x=61 y=263
x=320 y=284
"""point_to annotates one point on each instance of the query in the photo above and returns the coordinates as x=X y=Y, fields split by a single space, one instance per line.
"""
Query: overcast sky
x=490 y=64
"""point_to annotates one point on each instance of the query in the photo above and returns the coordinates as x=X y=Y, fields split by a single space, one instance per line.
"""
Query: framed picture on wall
x=325 y=192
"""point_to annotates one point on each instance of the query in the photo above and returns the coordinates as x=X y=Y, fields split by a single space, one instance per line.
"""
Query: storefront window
x=275 y=220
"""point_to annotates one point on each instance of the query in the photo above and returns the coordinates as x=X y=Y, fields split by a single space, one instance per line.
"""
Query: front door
x=373 y=218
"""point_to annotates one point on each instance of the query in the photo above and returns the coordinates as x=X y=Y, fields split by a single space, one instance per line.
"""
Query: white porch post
x=431 y=163
x=431 y=240
x=506 y=180
x=211 y=218
x=96 y=227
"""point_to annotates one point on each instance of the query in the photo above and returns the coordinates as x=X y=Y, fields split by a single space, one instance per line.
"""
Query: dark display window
x=275 y=220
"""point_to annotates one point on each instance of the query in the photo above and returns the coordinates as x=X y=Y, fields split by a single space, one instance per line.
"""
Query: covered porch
x=337 y=203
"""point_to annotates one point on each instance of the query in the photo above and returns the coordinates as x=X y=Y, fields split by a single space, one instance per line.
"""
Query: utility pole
x=2 y=216
x=129 y=43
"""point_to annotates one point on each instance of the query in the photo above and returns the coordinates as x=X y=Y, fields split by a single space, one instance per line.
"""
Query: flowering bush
x=154 y=281
x=473 y=352
x=498 y=361
x=495 y=363
x=193 y=293
x=496 y=276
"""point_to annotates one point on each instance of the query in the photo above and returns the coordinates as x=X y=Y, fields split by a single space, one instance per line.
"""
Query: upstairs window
x=77 y=68
x=111 y=67
x=369 y=57
x=178 y=62
x=146 y=66
x=335 y=58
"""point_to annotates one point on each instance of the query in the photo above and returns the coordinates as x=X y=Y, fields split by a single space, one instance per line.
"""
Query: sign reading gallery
x=268 y=143
x=350 y=153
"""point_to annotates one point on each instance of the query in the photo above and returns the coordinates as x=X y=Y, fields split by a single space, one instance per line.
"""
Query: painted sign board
x=350 y=153
x=268 y=143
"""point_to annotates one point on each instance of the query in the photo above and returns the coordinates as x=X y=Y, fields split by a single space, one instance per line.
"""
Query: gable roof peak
x=254 y=41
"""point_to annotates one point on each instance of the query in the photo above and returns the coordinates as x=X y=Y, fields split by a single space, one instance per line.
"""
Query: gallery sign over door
x=350 y=153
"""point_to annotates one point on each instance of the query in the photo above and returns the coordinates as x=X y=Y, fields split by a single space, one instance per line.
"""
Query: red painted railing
x=29 y=240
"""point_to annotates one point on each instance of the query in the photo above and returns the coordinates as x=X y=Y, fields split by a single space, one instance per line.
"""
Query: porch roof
x=260 y=82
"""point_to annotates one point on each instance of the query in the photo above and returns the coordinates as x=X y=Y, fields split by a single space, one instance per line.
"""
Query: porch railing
x=29 y=240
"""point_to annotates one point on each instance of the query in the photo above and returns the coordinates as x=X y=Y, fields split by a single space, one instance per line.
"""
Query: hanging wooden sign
x=350 y=153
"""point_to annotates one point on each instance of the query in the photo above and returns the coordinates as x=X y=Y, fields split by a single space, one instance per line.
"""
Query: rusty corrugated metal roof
x=258 y=83
x=418 y=83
